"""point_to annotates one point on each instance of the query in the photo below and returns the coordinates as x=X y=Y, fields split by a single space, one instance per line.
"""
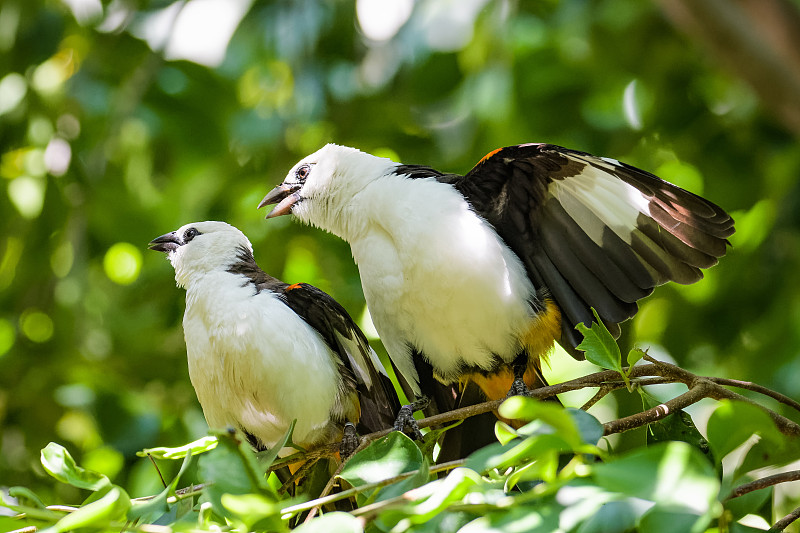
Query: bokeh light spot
x=36 y=325
x=13 y=89
x=7 y=335
x=380 y=20
x=122 y=263
x=27 y=195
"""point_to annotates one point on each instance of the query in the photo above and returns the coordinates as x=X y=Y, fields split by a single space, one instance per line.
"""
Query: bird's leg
x=350 y=441
x=518 y=387
x=405 y=417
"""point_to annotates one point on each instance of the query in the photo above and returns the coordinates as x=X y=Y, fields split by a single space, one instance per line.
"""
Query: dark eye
x=190 y=234
x=302 y=172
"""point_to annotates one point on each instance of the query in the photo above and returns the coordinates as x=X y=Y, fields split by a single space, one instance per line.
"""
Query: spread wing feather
x=591 y=231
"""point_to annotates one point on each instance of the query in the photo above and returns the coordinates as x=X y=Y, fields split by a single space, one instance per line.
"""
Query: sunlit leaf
x=196 y=447
x=665 y=520
x=231 y=468
x=385 y=458
x=733 y=423
x=335 y=522
x=671 y=473
x=599 y=345
x=112 y=504
x=516 y=520
x=252 y=509
x=150 y=510
x=60 y=464
x=612 y=517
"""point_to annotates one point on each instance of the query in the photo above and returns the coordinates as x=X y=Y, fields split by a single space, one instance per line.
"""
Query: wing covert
x=359 y=364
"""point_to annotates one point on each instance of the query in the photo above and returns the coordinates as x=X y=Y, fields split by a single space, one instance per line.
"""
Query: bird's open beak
x=166 y=243
x=285 y=196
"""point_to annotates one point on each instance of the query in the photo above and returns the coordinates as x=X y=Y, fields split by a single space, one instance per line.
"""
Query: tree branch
x=784 y=522
x=763 y=483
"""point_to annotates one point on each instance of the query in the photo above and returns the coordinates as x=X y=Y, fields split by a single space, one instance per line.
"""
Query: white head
x=322 y=185
x=201 y=247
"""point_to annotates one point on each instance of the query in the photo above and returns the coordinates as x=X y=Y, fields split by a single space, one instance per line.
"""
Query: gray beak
x=285 y=196
x=166 y=243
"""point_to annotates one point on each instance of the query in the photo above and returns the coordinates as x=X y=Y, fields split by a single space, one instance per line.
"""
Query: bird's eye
x=190 y=234
x=302 y=173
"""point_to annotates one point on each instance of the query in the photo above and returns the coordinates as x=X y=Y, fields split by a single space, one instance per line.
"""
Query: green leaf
x=523 y=408
x=266 y=458
x=504 y=432
x=590 y=428
x=112 y=504
x=336 y=522
x=59 y=463
x=677 y=426
x=671 y=473
x=442 y=493
x=194 y=448
x=612 y=517
x=599 y=345
x=385 y=458
x=634 y=356
x=766 y=452
x=543 y=468
x=26 y=496
x=421 y=477
x=665 y=520
x=152 y=509
x=732 y=423
x=255 y=512
x=527 y=519
x=750 y=503
x=231 y=468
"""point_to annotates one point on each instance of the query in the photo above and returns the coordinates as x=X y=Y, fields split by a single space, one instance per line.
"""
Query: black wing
x=593 y=231
x=379 y=403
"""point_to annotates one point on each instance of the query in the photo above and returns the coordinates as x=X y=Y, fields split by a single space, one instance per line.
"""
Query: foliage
x=548 y=475
x=108 y=139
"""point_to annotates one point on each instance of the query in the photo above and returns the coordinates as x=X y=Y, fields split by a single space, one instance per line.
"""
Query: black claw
x=405 y=418
x=350 y=441
x=518 y=388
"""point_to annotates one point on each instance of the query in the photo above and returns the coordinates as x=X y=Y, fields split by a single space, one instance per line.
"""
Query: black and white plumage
x=479 y=274
x=263 y=353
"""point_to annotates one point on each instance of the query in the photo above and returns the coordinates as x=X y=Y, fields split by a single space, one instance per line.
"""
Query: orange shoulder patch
x=294 y=286
x=490 y=154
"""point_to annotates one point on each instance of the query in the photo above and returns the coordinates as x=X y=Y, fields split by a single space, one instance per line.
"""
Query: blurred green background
x=123 y=120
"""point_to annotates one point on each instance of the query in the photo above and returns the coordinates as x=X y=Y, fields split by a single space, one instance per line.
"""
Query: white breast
x=255 y=364
x=437 y=276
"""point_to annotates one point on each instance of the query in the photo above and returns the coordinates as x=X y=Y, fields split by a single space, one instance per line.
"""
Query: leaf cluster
x=554 y=472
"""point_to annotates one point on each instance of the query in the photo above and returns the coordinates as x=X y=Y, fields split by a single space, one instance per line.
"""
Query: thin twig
x=299 y=474
x=658 y=412
x=755 y=387
x=322 y=501
x=158 y=470
x=601 y=393
x=784 y=522
x=763 y=483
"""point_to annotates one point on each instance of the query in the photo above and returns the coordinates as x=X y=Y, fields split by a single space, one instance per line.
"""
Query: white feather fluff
x=253 y=362
x=469 y=297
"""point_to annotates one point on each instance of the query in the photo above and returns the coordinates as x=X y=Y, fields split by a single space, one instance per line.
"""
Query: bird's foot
x=518 y=388
x=350 y=441
x=405 y=418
